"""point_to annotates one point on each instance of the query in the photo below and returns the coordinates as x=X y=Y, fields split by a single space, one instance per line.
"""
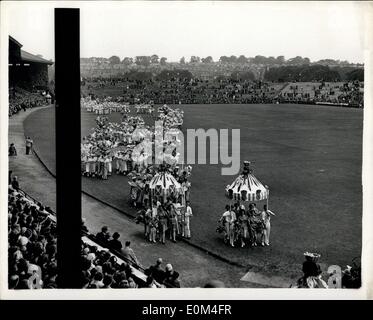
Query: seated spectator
x=98 y=280
x=23 y=284
x=129 y=254
x=131 y=283
x=114 y=243
x=126 y=268
x=84 y=227
x=15 y=184
x=150 y=283
x=51 y=281
x=13 y=281
x=103 y=236
x=12 y=150
x=171 y=277
x=108 y=280
x=84 y=282
x=157 y=272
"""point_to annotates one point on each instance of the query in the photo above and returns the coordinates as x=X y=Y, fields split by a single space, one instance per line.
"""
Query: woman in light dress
x=228 y=218
x=243 y=219
x=188 y=215
x=266 y=218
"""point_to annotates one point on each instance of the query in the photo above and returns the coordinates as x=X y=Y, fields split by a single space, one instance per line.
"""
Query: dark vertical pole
x=68 y=179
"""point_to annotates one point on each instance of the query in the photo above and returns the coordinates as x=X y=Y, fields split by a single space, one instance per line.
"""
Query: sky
x=316 y=30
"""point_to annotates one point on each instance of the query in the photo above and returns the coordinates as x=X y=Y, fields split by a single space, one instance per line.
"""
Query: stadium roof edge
x=15 y=41
x=29 y=57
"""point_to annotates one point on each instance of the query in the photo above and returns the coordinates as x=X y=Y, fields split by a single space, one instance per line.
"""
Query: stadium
x=151 y=223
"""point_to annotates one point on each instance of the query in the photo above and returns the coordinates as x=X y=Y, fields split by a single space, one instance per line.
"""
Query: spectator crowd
x=32 y=242
x=20 y=99
x=221 y=90
x=101 y=269
x=32 y=252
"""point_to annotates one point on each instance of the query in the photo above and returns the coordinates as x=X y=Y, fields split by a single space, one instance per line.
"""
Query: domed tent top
x=164 y=185
x=246 y=187
x=164 y=180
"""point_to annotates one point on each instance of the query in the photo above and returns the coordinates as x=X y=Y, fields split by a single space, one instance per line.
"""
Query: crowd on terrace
x=20 y=99
x=32 y=242
x=32 y=252
x=225 y=90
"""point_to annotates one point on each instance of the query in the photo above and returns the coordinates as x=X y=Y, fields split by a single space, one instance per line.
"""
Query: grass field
x=309 y=156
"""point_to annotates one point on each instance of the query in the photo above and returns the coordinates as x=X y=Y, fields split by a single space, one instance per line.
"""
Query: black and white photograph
x=186 y=145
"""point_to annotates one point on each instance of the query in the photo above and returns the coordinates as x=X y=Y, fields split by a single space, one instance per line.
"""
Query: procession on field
x=111 y=147
x=161 y=191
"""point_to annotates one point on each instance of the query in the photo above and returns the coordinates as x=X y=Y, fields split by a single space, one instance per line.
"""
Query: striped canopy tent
x=163 y=184
x=247 y=187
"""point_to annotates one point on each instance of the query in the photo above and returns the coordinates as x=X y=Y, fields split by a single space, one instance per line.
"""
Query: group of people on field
x=166 y=219
x=104 y=106
x=245 y=227
x=110 y=147
x=144 y=108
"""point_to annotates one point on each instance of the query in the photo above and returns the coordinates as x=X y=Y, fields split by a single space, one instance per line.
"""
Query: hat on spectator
x=99 y=269
x=17 y=255
x=91 y=256
x=23 y=240
x=169 y=267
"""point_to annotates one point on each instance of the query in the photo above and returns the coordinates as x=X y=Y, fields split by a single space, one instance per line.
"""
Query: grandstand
x=28 y=79
x=337 y=93
x=26 y=70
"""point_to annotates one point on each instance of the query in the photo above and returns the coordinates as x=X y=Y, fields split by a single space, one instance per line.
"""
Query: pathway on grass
x=195 y=267
x=32 y=176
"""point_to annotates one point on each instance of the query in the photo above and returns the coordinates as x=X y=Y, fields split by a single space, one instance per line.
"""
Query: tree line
x=259 y=59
